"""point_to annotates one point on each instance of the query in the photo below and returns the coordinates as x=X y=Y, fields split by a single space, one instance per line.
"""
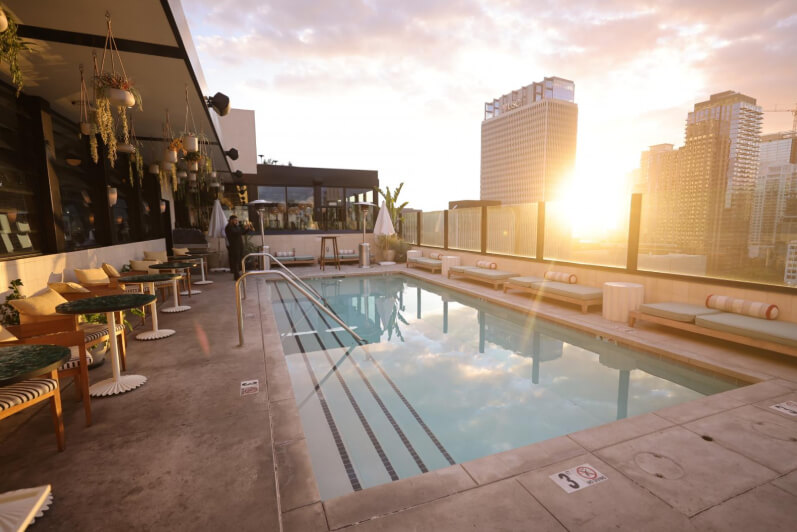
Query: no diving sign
x=250 y=387
x=787 y=407
x=578 y=478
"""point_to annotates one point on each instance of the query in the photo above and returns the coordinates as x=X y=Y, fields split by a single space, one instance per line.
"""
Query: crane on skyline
x=793 y=111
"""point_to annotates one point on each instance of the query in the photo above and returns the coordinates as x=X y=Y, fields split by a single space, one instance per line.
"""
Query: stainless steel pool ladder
x=281 y=265
x=305 y=293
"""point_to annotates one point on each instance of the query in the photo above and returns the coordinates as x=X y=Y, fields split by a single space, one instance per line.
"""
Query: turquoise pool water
x=448 y=378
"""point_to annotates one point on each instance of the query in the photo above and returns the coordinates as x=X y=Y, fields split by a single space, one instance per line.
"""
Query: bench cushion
x=526 y=281
x=95 y=331
x=74 y=360
x=576 y=291
x=781 y=332
x=25 y=391
x=493 y=275
x=428 y=262
x=683 y=312
x=461 y=269
x=343 y=257
x=303 y=257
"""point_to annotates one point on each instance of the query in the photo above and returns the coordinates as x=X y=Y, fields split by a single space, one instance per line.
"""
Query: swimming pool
x=448 y=378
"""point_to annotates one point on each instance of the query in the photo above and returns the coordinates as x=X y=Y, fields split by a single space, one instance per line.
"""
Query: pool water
x=448 y=378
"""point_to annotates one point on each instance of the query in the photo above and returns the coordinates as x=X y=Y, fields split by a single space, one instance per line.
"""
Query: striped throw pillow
x=345 y=252
x=486 y=264
x=286 y=253
x=756 y=309
x=561 y=277
x=435 y=255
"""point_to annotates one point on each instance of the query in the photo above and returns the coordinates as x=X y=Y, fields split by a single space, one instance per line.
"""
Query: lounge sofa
x=739 y=327
x=431 y=263
x=484 y=272
x=560 y=286
x=344 y=255
x=290 y=258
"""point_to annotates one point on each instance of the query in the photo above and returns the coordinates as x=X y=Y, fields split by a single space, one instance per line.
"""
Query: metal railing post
x=305 y=293
x=634 y=229
x=540 y=253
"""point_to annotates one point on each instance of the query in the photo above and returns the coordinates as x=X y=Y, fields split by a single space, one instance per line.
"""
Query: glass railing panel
x=432 y=227
x=512 y=230
x=465 y=229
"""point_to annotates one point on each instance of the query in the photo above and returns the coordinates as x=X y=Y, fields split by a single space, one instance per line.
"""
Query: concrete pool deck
x=185 y=451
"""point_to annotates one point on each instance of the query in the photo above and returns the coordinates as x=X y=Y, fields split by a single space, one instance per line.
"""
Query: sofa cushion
x=281 y=254
x=74 y=360
x=160 y=256
x=528 y=282
x=180 y=251
x=92 y=276
x=486 y=264
x=6 y=336
x=303 y=257
x=346 y=252
x=41 y=305
x=348 y=256
x=25 y=391
x=68 y=288
x=461 y=269
x=143 y=265
x=429 y=262
x=576 y=291
x=781 y=332
x=756 y=309
x=493 y=275
x=683 y=312
x=110 y=270
x=435 y=255
x=561 y=277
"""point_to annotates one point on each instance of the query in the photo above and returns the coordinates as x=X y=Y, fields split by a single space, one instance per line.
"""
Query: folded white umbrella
x=383 y=224
x=216 y=233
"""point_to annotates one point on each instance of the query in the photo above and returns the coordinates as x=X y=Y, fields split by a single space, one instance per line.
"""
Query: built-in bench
x=769 y=334
x=568 y=292
x=431 y=263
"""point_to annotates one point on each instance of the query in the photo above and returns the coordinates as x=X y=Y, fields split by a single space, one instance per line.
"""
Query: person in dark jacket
x=235 y=244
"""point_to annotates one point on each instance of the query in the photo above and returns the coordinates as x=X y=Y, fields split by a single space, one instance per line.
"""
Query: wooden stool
x=323 y=259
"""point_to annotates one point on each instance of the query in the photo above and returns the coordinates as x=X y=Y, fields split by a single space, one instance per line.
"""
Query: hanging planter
x=190 y=142
x=170 y=156
x=85 y=129
x=193 y=166
x=192 y=177
x=10 y=46
x=192 y=158
x=213 y=174
x=154 y=168
x=182 y=174
x=125 y=147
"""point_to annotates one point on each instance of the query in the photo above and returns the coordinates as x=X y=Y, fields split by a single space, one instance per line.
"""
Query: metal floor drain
x=659 y=466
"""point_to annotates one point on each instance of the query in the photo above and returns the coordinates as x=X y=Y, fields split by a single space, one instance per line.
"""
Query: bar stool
x=323 y=258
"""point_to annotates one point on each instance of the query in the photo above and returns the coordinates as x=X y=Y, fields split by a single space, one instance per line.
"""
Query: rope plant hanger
x=194 y=144
x=112 y=90
x=135 y=160
x=173 y=147
x=88 y=126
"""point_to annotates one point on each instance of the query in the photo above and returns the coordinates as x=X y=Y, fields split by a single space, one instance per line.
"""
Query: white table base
x=192 y=293
x=118 y=383
x=387 y=263
x=202 y=269
x=155 y=333
x=176 y=307
x=448 y=261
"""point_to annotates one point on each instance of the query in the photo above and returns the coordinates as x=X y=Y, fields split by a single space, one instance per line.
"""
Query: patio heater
x=365 y=248
x=260 y=205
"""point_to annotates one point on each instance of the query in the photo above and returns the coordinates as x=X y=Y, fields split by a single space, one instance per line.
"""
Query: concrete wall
x=311 y=244
x=656 y=289
x=36 y=272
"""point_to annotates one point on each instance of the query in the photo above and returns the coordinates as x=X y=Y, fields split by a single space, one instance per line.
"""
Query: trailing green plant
x=8 y=314
x=101 y=318
x=192 y=156
x=10 y=46
x=135 y=166
x=392 y=205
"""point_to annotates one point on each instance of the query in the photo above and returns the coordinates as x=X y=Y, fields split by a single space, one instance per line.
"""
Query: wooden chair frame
x=55 y=407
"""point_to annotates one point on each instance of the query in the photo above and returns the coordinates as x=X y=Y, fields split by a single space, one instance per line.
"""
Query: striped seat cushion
x=132 y=289
x=95 y=331
x=25 y=391
x=74 y=361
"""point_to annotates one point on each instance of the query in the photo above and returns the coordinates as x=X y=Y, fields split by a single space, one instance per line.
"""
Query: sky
x=400 y=86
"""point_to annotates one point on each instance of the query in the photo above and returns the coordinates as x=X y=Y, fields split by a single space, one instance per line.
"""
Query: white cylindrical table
x=621 y=298
x=202 y=264
x=448 y=261
x=174 y=267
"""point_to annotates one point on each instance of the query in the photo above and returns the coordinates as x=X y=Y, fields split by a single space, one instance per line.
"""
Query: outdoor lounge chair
x=484 y=272
x=741 y=328
x=431 y=263
x=559 y=286
x=290 y=258
x=345 y=255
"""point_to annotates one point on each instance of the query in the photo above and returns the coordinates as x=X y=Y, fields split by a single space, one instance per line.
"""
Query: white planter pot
x=192 y=177
x=3 y=21
x=120 y=97
x=193 y=165
x=124 y=147
x=85 y=128
x=154 y=168
x=166 y=166
x=213 y=174
x=191 y=143
x=170 y=156
x=182 y=174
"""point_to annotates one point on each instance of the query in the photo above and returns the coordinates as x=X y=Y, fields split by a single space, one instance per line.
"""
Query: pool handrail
x=293 y=275
x=305 y=293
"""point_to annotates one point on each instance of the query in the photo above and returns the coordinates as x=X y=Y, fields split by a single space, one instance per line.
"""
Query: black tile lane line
x=333 y=427
x=403 y=437
x=412 y=410
x=367 y=426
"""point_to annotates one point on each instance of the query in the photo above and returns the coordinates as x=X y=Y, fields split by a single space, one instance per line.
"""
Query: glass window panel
x=275 y=208
x=333 y=208
x=512 y=230
x=432 y=226
x=465 y=229
x=354 y=212
x=594 y=235
x=300 y=209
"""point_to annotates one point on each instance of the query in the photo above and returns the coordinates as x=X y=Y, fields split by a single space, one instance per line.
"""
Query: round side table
x=621 y=298
x=174 y=267
x=150 y=280
x=109 y=304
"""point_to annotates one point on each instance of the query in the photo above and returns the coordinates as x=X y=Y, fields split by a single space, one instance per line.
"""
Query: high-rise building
x=658 y=181
x=529 y=142
x=705 y=189
x=775 y=198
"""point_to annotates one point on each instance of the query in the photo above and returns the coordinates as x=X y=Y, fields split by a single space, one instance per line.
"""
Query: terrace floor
x=187 y=452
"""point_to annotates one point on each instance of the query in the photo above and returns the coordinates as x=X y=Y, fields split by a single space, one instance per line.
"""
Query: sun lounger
x=428 y=263
x=494 y=277
x=772 y=335
x=290 y=258
x=577 y=294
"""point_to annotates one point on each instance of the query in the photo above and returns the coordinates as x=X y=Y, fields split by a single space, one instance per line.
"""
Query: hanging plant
x=10 y=46
x=88 y=127
x=113 y=90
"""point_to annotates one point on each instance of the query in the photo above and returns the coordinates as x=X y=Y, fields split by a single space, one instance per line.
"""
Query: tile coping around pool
x=299 y=499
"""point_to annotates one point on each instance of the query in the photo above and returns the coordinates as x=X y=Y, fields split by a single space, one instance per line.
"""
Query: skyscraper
x=529 y=142
x=707 y=195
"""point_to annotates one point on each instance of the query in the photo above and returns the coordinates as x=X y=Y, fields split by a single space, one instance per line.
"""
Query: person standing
x=235 y=244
